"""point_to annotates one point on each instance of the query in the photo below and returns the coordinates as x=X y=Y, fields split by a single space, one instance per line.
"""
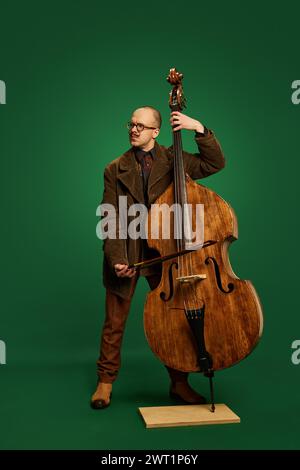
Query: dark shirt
x=145 y=158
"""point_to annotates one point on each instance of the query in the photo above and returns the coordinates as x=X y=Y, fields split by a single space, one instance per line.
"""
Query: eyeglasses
x=139 y=127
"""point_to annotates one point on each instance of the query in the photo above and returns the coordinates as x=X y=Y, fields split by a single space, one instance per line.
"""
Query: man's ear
x=156 y=132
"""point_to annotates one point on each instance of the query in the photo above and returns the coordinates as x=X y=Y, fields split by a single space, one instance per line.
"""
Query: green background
x=74 y=71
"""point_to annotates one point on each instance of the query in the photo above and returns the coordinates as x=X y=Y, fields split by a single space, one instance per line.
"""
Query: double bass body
x=232 y=314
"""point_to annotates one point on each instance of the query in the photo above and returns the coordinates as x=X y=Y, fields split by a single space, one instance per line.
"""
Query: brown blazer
x=122 y=177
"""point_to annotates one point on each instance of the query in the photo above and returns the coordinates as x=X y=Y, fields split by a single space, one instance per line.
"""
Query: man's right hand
x=122 y=270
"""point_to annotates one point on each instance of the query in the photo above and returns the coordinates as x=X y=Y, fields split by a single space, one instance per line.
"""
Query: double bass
x=201 y=317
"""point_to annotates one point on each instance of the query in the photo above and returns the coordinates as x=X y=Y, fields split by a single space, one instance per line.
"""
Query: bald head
x=152 y=113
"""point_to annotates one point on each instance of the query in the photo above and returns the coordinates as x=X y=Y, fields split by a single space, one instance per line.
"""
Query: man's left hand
x=182 y=121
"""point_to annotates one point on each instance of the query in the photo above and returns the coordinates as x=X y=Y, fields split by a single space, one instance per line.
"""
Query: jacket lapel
x=161 y=166
x=129 y=175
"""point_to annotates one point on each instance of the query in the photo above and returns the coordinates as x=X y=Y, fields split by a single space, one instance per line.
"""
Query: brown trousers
x=116 y=310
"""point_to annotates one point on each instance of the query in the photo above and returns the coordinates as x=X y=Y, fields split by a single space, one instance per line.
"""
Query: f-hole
x=163 y=295
x=230 y=285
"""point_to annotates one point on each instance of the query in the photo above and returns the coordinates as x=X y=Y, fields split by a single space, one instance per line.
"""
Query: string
x=185 y=264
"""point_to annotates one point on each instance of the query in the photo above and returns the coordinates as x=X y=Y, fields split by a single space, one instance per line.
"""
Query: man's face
x=144 y=139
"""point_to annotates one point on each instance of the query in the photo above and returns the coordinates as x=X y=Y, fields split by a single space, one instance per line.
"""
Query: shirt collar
x=139 y=153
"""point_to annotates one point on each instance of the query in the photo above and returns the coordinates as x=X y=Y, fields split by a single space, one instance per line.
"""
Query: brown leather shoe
x=102 y=396
x=183 y=392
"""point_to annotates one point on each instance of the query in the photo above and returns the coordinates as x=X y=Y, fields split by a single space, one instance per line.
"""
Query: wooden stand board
x=186 y=415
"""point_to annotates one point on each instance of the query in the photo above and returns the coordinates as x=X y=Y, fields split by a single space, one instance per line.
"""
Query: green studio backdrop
x=74 y=71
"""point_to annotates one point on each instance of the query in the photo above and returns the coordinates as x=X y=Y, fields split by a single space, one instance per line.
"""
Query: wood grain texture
x=187 y=415
x=233 y=321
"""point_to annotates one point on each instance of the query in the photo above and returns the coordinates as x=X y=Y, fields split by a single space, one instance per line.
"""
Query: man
x=142 y=174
